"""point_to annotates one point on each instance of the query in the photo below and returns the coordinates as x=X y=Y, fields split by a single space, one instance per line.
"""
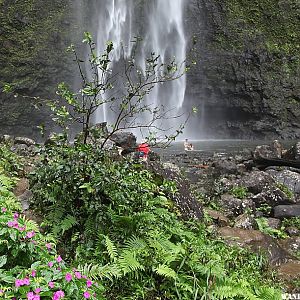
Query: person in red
x=143 y=150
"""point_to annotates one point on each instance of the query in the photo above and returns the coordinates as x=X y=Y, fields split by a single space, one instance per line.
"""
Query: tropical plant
x=30 y=267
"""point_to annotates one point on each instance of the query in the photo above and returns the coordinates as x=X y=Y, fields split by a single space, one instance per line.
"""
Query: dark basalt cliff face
x=246 y=81
x=34 y=35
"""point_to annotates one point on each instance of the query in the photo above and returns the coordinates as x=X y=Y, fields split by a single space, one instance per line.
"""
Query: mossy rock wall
x=34 y=35
x=246 y=82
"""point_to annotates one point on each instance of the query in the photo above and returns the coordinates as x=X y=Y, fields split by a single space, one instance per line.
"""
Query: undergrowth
x=115 y=220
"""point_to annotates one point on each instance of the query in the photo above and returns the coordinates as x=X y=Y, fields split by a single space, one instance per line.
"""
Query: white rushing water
x=160 y=25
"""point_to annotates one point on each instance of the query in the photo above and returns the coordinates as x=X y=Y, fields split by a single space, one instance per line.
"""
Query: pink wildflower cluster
x=34 y=296
x=58 y=295
x=21 y=282
x=14 y=223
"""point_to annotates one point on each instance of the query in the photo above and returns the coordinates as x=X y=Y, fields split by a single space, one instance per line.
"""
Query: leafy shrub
x=29 y=265
x=10 y=163
x=116 y=220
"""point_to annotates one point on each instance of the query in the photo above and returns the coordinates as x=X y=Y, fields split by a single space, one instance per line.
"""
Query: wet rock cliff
x=34 y=35
x=246 y=81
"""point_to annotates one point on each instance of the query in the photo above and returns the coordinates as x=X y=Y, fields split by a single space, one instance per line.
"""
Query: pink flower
x=21 y=282
x=48 y=246
x=13 y=224
x=30 y=234
x=33 y=273
x=16 y=215
x=3 y=209
x=30 y=296
x=22 y=228
x=88 y=283
x=58 y=295
x=18 y=282
x=51 y=284
x=38 y=290
x=86 y=295
x=58 y=259
x=50 y=264
x=68 y=277
x=77 y=275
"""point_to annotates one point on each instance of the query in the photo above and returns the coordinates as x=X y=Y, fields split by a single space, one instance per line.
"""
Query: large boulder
x=256 y=241
x=293 y=153
x=233 y=206
x=256 y=181
x=245 y=221
x=187 y=204
x=272 y=197
x=225 y=166
x=285 y=176
x=287 y=211
x=266 y=151
x=125 y=140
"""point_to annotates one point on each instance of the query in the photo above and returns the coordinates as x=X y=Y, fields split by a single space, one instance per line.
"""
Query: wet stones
x=287 y=211
x=256 y=181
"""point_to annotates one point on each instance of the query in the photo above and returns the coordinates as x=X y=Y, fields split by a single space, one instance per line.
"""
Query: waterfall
x=162 y=32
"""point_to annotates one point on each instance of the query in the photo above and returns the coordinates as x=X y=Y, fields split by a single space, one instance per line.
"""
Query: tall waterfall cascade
x=160 y=25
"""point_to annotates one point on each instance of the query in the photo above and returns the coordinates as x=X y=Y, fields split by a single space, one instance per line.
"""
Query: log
x=267 y=162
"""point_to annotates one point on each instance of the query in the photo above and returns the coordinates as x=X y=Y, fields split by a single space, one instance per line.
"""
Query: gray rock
x=25 y=199
x=293 y=153
x=291 y=245
x=126 y=140
x=266 y=151
x=245 y=221
x=233 y=206
x=6 y=138
x=288 y=178
x=286 y=211
x=224 y=166
x=292 y=231
x=272 y=197
x=187 y=204
x=274 y=223
x=257 y=241
x=256 y=181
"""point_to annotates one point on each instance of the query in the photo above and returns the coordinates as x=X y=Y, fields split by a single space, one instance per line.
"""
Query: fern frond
x=128 y=262
x=67 y=223
x=165 y=271
x=111 y=248
x=135 y=244
x=109 y=271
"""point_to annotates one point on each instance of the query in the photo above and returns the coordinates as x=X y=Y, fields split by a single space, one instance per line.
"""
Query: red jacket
x=144 y=147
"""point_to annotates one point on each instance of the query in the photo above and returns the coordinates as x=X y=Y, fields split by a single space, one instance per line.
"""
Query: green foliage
x=294 y=222
x=285 y=189
x=10 y=163
x=265 y=228
x=127 y=233
x=29 y=264
x=239 y=192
